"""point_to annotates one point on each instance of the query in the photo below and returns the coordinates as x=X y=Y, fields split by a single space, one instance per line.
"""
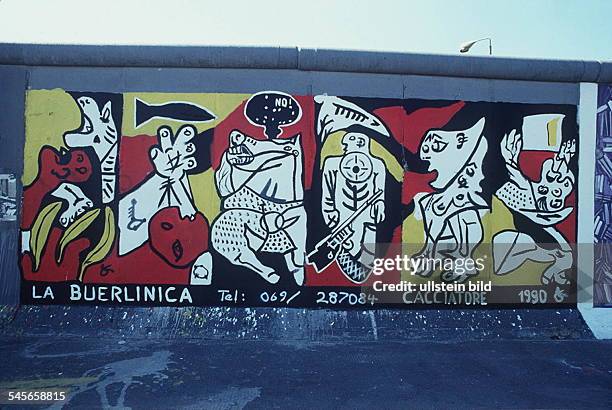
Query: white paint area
x=599 y=320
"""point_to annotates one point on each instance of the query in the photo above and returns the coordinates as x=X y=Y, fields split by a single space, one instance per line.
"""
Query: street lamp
x=465 y=47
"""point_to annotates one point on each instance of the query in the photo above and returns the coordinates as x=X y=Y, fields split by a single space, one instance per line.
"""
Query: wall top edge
x=305 y=59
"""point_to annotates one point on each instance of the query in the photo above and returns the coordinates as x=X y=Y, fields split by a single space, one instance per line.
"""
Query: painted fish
x=176 y=110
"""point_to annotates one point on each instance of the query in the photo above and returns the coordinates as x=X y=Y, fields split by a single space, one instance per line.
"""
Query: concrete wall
x=247 y=71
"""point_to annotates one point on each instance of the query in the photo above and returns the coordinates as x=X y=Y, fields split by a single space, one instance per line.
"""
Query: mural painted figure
x=283 y=200
x=353 y=204
x=172 y=157
x=542 y=202
x=451 y=215
x=260 y=183
x=98 y=131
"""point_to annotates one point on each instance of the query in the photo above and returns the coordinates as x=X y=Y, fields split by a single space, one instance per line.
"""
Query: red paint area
x=237 y=121
x=530 y=162
x=409 y=129
x=159 y=260
x=178 y=241
x=134 y=161
x=49 y=269
x=54 y=168
x=141 y=266
x=415 y=183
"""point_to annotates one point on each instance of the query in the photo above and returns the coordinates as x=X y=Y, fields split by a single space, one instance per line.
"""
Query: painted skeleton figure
x=451 y=215
x=349 y=182
x=262 y=209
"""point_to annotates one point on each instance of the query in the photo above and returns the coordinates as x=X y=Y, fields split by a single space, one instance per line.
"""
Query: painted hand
x=172 y=158
x=332 y=218
x=511 y=147
x=377 y=212
x=565 y=154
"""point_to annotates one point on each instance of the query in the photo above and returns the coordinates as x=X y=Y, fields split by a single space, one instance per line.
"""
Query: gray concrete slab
x=305 y=59
x=291 y=325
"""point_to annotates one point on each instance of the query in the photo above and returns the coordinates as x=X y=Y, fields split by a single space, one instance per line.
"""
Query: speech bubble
x=272 y=110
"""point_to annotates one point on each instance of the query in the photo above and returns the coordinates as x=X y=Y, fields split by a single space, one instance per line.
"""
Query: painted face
x=248 y=154
x=97 y=129
x=271 y=168
x=178 y=241
x=554 y=187
x=448 y=151
x=66 y=166
x=355 y=142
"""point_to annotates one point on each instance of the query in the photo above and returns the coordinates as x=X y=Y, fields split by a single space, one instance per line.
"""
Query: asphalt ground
x=108 y=372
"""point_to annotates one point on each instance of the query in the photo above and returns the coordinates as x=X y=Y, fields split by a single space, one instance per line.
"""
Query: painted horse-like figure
x=262 y=209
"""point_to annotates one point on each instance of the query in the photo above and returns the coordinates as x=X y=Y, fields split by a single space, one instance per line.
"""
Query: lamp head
x=465 y=47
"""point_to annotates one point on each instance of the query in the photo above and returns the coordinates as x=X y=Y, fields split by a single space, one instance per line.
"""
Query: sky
x=558 y=29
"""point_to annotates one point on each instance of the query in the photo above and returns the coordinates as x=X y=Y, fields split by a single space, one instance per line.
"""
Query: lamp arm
x=482 y=39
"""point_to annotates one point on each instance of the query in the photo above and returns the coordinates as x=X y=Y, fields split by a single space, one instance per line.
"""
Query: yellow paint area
x=333 y=147
x=553 y=129
x=205 y=194
x=48 y=115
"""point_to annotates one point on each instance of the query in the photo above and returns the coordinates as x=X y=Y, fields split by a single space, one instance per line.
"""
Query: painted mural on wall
x=274 y=199
x=602 y=286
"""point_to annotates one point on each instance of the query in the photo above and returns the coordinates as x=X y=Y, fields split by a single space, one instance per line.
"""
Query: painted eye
x=80 y=158
x=469 y=171
x=439 y=146
x=287 y=149
x=166 y=226
x=352 y=138
x=425 y=148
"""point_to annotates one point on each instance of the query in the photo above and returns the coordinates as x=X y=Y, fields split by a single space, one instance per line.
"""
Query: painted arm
x=168 y=187
x=331 y=215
